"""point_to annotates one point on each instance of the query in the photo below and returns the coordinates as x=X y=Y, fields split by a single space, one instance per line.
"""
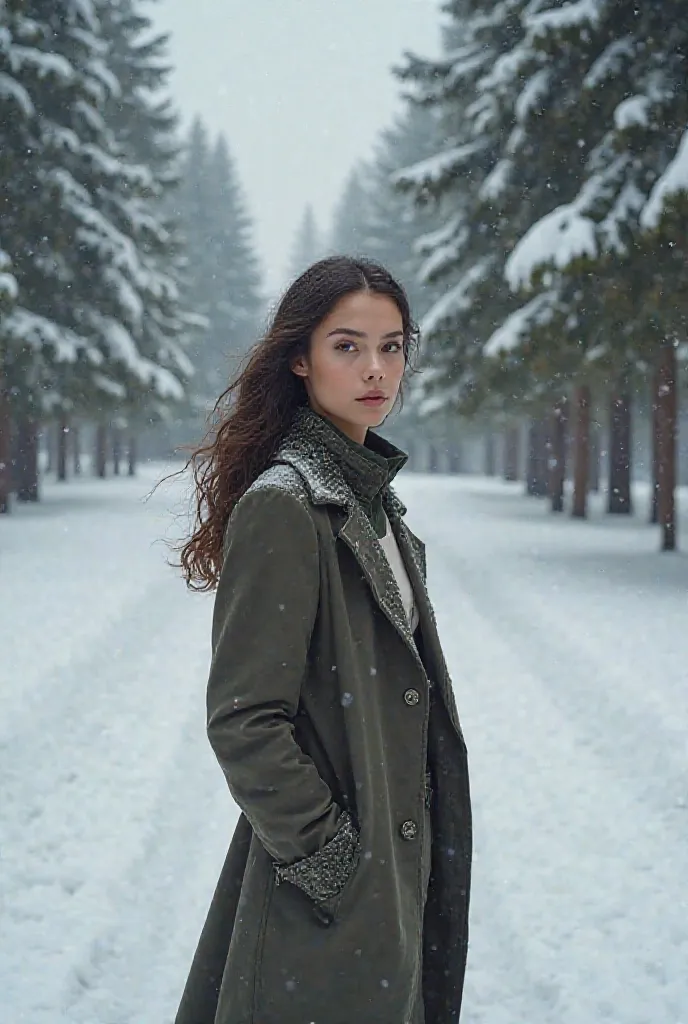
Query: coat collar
x=348 y=470
x=329 y=467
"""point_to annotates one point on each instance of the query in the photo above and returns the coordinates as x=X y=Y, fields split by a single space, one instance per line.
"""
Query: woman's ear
x=299 y=367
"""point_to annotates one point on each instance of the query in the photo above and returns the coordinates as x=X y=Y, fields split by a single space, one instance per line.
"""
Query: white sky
x=300 y=87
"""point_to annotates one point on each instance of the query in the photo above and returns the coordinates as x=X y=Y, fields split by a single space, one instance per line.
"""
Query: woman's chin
x=371 y=415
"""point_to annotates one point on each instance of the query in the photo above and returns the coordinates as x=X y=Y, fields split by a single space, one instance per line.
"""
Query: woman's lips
x=373 y=401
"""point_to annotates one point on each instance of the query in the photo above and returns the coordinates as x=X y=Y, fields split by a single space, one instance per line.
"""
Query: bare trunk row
x=547 y=451
x=19 y=446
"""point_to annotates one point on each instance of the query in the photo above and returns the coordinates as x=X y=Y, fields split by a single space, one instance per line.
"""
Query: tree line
x=533 y=196
x=127 y=267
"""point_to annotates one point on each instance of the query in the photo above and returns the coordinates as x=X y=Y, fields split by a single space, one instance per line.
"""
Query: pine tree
x=77 y=200
x=465 y=92
x=238 y=299
x=397 y=228
x=223 y=274
x=308 y=246
x=349 y=235
x=145 y=127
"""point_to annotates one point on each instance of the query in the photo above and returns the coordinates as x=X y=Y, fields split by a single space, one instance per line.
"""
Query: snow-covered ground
x=568 y=644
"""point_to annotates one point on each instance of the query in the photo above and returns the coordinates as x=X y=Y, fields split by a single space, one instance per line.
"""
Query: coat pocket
x=324 y=875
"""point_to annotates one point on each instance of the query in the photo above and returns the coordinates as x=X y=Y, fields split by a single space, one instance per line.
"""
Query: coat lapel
x=359 y=536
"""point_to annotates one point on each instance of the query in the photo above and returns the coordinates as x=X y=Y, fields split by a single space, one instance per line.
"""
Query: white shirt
x=391 y=549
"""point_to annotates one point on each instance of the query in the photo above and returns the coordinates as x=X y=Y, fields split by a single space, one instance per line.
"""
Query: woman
x=344 y=895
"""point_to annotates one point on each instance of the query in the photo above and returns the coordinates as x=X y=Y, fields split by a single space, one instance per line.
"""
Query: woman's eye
x=343 y=344
x=396 y=346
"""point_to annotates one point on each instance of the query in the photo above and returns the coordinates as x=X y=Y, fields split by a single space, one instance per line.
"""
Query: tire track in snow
x=81 y=774
x=135 y=968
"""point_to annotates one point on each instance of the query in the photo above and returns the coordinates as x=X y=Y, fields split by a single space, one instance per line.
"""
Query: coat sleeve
x=265 y=609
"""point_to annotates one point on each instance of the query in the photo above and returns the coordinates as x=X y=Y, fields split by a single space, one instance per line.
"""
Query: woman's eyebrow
x=362 y=334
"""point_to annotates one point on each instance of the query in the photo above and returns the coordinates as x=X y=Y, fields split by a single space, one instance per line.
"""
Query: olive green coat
x=318 y=712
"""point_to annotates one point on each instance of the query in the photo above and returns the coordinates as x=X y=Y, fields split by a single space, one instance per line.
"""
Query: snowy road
x=569 y=651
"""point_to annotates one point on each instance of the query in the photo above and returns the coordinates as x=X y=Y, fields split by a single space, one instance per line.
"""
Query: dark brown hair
x=253 y=414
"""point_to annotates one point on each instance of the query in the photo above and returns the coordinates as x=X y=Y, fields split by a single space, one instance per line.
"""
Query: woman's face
x=356 y=350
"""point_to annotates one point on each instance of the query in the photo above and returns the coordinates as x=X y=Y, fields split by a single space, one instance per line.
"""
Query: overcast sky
x=300 y=87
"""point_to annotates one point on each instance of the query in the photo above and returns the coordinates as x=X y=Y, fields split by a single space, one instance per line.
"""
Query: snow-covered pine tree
x=145 y=125
x=49 y=87
x=72 y=335
x=395 y=222
x=349 y=234
x=308 y=246
x=223 y=274
x=238 y=297
x=470 y=91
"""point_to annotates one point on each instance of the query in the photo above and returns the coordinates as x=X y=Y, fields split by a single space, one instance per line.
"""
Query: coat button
x=409 y=830
x=412 y=697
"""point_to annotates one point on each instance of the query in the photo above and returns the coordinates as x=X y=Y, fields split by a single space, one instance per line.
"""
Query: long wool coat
x=319 y=714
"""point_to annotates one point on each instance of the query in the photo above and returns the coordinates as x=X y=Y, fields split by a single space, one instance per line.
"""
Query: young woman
x=344 y=895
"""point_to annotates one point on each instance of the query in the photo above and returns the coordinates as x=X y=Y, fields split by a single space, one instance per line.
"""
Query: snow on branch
x=532 y=94
x=496 y=181
x=128 y=298
x=87 y=11
x=30 y=330
x=164 y=383
x=482 y=113
x=42 y=63
x=519 y=325
x=120 y=343
x=435 y=169
x=610 y=63
x=631 y=112
x=505 y=71
x=444 y=256
x=109 y=386
x=457 y=300
x=10 y=89
x=559 y=238
x=433 y=389
x=571 y=15
x=673 y=181
x=8 y=286
x=465 y=66
x=432 y=240
x=8 y=283
x=627 y=206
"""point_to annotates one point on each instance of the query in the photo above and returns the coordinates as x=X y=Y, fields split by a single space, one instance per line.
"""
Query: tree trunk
x=654 y=427
x=100 y=461
x=26 y=462
x=666 y=462
x=116 y=450
x=557 y=463
x=490 y=459
x=595 y=456
x=76 y=450
x=5 y=450
x=132 y=455
x=511 y=453
x=62 y=440
x=620 y=454
x=49 y=434
x=536 y=481
x=581 y=452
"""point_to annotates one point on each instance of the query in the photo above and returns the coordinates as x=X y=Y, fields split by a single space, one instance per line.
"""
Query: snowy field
x=568 y=644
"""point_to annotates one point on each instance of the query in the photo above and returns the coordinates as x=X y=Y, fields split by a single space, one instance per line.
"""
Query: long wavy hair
x=251 y=417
